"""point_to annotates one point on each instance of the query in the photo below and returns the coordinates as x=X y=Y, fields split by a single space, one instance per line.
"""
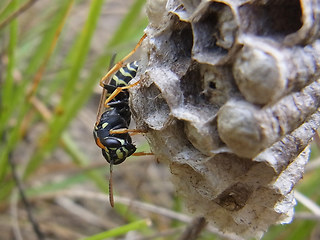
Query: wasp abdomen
x=124 y=75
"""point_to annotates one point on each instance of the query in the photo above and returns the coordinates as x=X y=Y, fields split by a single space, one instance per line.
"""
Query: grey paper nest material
x=230 y=98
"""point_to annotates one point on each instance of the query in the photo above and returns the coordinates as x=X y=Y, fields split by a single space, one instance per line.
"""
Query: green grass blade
x=25 y=6
x=35 y=61
x=128 y=23
x=7 y=87
x=21 y=106
x=59 y=15
x=4 y=5
x=134 y=226
x=8 y=9
x=69 y=104
x=80 y=51
x=7 y=94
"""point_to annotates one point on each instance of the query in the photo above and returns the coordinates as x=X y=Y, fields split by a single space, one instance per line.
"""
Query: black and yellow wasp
x=111 y=131
x=116 y=147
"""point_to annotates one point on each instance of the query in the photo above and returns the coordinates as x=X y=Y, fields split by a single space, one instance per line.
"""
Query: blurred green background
x=52 y=55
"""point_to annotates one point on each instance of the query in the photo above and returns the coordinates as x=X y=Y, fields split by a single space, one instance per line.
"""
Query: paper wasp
x=111 y=131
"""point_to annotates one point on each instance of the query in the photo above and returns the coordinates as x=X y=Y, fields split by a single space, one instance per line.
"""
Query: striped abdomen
x=124 y=75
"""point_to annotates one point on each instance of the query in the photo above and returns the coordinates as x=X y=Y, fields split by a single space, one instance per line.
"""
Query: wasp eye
x=112 y=143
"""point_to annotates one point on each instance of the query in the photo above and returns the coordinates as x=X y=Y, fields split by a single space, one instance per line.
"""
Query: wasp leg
x=117 y=91
x=142 y=154
x=125 y=130
x=120 y=64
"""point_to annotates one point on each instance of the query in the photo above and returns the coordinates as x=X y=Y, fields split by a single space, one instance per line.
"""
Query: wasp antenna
x=110 y=186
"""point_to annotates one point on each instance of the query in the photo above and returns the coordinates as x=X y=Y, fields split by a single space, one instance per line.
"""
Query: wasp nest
x=230 y=97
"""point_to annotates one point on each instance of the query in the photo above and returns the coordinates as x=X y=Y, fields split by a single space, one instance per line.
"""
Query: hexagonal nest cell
x=271 y=18
x=225 y=104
